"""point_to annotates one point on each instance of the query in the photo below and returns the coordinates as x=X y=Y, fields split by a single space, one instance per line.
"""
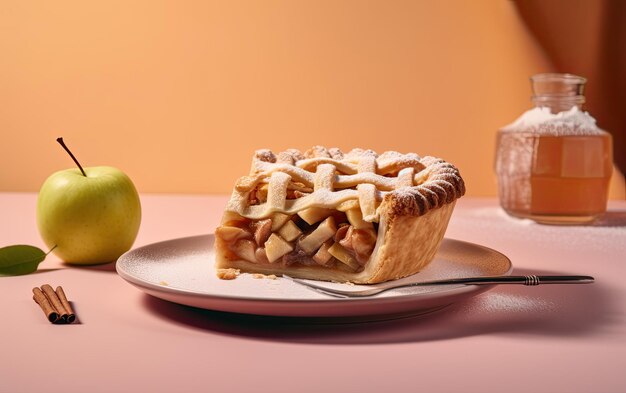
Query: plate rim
x=235 y=298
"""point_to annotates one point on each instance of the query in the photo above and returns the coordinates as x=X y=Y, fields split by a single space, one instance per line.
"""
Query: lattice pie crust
x=329 y=215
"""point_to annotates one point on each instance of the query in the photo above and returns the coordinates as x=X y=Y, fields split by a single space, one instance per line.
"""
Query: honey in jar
x=554 y=164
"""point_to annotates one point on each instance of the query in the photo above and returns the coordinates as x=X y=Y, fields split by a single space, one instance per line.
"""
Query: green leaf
x=20 y=259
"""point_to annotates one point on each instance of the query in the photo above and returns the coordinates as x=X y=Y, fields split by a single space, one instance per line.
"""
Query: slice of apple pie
x=329 y=215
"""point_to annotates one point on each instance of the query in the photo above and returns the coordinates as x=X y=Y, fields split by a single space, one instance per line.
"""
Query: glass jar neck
x=559 y=92
x=559 y=104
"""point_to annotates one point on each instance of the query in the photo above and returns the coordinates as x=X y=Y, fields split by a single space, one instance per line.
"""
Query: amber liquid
x=554 y=179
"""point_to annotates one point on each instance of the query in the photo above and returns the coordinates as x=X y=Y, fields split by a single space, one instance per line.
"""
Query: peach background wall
x=179 y=94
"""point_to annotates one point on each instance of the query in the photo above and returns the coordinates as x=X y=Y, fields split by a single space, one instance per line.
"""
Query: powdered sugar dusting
x=499 y=302
x=608 y=236
x=541 y=121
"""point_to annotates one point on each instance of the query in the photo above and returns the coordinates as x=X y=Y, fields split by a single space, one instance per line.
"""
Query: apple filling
x=315 y=236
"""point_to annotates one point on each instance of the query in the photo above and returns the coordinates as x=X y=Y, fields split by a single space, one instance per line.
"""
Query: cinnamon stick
x=71 y=317
x=45 y=305
x=55 y=301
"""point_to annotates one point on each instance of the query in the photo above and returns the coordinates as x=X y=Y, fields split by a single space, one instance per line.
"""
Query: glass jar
x=554 y=164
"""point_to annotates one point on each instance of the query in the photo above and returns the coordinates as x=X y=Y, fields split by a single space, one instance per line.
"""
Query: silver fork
x=530 y=280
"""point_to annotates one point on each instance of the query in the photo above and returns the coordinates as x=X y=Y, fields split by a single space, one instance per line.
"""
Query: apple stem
x=60 y=140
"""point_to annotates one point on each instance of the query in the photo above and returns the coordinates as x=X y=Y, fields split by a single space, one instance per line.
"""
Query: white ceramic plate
x=182 y=271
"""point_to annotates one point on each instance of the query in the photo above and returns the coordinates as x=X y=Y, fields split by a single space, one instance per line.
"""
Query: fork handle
x=529 y=280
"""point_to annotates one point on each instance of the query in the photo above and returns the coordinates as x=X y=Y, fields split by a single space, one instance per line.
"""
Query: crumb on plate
x=228 y=274
x=259 y=276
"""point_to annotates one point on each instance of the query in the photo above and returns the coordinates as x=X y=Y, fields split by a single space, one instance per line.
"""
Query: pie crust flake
x=327 y=215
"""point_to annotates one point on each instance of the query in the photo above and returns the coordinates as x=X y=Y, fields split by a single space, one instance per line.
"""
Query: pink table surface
x=547 y=338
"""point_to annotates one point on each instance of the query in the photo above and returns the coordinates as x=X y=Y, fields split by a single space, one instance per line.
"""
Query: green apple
x=91 y=215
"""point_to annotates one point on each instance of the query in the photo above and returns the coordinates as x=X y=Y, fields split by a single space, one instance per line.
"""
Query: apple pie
x=328 y=215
